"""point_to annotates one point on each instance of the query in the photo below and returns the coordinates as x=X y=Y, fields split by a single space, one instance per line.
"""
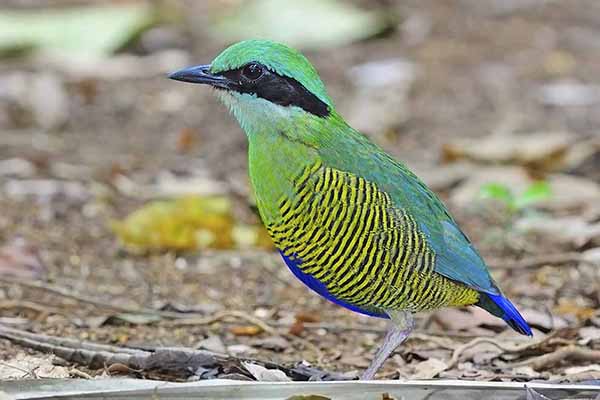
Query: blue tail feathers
x=501 y=307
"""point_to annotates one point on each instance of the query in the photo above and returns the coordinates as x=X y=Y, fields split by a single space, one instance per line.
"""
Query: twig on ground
x=178 y=362
x=67 y=342
x=571 y=352
x=41 y=309
x=219 y=316
x=502 y=346
x=182 y=318
x=372 y=329
x=66 y=293
x=441 y=342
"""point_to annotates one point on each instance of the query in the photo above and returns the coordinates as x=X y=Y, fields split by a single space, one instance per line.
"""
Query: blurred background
x=125 y=188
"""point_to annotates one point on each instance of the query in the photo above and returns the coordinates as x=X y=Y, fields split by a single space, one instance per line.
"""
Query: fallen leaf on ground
x=429 y=369
x=186 y=138
x=29 y=366
x=263 y=374
x=237 y=349
x=249 y=330
x=589 y=334
x=212 y=343
x=573 y=307
x=543 y=319
x=584 y=368
x=573 y=230
x=87 y=31
x=275 y=343
x=188 y=223
x=309 y=24
x=543 y=151
x=306 y=317
x=130 y=318
x=296 y=328
x=252 y=236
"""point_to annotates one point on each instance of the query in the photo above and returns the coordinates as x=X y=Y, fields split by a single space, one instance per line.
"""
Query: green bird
x=353 y=224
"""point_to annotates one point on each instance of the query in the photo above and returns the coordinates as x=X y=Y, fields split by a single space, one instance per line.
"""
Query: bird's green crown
x=278 y=58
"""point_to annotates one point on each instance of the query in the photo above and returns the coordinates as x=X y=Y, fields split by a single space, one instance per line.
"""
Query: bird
x=352 y=223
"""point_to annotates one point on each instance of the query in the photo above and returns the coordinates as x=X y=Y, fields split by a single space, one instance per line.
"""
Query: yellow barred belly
x=348 y=234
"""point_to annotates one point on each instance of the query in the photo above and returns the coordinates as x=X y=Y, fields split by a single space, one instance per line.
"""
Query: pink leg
x=401 y=326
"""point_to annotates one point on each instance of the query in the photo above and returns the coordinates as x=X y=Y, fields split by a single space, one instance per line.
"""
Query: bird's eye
x=252 y=71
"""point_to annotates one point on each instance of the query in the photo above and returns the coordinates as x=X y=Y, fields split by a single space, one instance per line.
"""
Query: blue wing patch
x=320 y=288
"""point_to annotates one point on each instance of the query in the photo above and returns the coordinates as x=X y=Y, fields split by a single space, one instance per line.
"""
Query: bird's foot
x=401 y=327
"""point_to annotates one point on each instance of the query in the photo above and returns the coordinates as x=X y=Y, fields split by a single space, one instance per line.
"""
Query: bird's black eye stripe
x=255 y=78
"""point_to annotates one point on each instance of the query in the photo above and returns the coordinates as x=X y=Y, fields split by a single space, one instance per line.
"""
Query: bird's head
x=263 y=82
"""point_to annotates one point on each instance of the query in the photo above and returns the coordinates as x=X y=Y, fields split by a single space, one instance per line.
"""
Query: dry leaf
x=249 y=330
x=584 y=368
x=543 y=319
x=429 y=369
x=212 y=343
x=263 y=374
x=296 y=328
x=188 y=223
x=185 y=140
x=252 y=236
x=238 y=349
x=572 y=230
x=28 y=366
x=573 y=307
x=306 y=317
x=542 y=151
x=589 y=334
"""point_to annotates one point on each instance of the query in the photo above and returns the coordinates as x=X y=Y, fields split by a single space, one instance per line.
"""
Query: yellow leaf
x=188 y=223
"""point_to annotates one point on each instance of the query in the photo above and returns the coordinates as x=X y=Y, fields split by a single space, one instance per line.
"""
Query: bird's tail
x=501 y=307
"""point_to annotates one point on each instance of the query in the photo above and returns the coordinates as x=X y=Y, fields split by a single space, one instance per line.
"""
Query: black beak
x=200 y=74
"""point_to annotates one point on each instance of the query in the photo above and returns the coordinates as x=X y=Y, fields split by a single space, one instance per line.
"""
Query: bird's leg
x=401 y=326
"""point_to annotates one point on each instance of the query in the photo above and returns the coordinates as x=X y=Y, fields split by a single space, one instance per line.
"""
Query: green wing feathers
x=456 y=258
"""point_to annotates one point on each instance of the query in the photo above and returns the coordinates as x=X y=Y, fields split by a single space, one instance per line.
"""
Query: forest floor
x=494 y=94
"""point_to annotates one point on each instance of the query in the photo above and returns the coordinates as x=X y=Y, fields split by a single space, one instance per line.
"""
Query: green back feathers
x=278 y=58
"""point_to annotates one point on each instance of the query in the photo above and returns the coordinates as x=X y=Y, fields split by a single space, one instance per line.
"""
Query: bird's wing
x=456 y=257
